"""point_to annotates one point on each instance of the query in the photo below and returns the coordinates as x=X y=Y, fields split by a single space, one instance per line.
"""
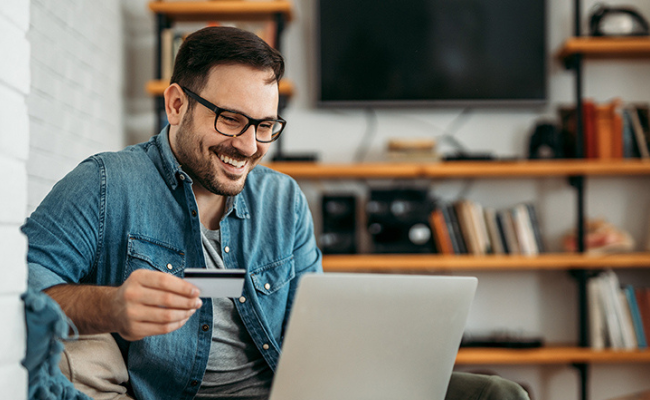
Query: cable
x=371 y=130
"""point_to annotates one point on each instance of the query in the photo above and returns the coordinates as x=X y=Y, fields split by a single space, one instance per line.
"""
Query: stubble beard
x=200 y=166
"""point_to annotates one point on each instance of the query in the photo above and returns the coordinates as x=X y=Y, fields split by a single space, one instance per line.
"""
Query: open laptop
x=372 y=337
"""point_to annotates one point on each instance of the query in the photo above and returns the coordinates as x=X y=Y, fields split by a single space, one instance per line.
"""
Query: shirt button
x=182 y=177
x=226 y=249
x=267 y=286
x=170 y=267
x=265 y=346
x=242 y=299
x=194 y=383
x=205 y=327
x=194 y=213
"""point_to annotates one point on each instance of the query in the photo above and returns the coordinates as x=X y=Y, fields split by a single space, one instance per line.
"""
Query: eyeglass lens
x=233 y=124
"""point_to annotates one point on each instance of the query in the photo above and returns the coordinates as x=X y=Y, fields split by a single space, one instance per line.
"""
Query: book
x=455 y=224
x=643 y=302
x=524 y=231
x=630 y=146
x=467 y=226
x=635 y=314
x=490 y=216
x=604 y=131
x=440 y=232
x=617 y=131
x=620 y=327
x=590 y=139
x=534 y=222
x=500 y=219
x=481 y=228
x=608 y=298
x=510 y=232
x=595 y=314
x=639 y=134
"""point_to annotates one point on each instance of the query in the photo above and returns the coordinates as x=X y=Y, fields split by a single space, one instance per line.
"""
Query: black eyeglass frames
x=232 y=123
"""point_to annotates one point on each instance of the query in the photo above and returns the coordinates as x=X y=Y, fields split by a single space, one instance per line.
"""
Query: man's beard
x=199 y=166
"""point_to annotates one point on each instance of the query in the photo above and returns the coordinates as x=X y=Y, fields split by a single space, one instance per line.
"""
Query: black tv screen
x=431 y=52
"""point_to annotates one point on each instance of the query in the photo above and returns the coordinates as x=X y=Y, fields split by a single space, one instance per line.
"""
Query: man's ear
x=175 y=104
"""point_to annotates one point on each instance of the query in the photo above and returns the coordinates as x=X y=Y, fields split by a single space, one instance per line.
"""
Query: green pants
x=465 y=386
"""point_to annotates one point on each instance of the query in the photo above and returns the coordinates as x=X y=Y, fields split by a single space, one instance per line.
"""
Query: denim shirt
x=117 y=212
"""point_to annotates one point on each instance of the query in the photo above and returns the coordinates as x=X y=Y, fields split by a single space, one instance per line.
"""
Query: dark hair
x=219 y=45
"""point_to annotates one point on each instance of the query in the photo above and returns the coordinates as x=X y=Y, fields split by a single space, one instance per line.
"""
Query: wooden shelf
x=549 y=355
x=599 y=47
x=437 y=262
x=458 y=169
x=222 y=10
x=157 y=87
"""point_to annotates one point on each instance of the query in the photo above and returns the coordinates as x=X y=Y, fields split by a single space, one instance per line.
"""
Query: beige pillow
x=95 y=366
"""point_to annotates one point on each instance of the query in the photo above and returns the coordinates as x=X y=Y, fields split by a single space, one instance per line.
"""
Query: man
x=112 y=239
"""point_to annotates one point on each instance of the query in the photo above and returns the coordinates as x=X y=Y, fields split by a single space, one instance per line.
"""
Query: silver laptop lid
x=373 y=337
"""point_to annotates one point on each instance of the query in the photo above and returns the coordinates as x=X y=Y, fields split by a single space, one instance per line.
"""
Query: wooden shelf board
x=549 y=355
x=599 y=47
x=438 y=262
x=157 y=87
x=222 y=10
x=458 y=169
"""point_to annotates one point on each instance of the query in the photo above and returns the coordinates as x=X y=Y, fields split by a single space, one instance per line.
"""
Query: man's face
x=217 y=162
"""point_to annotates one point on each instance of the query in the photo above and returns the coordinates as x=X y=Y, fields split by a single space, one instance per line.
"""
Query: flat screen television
x=375 y=53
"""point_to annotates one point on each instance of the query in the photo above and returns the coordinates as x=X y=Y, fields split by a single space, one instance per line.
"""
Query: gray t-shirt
x=236 y=369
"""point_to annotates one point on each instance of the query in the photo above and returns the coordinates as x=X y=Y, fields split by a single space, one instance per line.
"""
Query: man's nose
x=246 y=142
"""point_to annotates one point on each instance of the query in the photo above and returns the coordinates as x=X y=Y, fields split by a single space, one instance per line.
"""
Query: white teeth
x=235 y=163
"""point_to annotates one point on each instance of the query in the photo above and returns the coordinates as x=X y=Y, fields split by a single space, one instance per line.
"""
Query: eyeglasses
x=232 y=123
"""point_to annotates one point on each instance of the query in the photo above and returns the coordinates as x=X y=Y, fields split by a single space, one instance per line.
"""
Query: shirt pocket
x=272 y=277
x=153 y=254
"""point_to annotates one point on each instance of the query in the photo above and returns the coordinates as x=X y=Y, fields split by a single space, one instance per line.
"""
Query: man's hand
x=148 y=303
x=153 y=303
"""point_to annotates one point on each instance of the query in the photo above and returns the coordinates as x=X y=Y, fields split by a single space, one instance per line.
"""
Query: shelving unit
x=573 y=53
x=580 y=265
x=167 y=13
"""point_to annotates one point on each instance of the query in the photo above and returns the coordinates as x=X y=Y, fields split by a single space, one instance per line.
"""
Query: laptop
x=372 y=337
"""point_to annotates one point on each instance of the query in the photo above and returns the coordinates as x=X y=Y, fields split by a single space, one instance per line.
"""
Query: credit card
x=216 y=282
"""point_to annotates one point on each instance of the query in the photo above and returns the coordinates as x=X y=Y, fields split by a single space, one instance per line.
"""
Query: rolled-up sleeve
x=65 y=232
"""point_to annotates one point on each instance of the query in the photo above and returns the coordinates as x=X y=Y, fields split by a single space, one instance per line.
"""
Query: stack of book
x=619 y=316
x=611 y=130
x=466 y=227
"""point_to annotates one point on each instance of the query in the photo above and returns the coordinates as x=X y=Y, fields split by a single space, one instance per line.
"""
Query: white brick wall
x=14 y=150
x=60 y=101
x=75 y=104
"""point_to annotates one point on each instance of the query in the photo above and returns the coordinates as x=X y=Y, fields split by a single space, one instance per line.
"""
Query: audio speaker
x=398 y=221
x=339 y=224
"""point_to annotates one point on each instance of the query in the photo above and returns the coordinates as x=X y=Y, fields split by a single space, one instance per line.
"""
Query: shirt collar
x=167 y=164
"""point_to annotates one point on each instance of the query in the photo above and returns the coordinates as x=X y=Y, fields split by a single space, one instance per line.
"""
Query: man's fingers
x=158 y=298
x=167 y=282
x=159 y=315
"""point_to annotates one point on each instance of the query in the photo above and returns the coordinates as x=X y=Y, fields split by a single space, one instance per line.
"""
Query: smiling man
x=112 y=239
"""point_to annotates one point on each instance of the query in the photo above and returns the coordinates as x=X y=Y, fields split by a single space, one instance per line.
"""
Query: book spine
x=597 y=330
x=636 y=317
x=457 y=229
x=453 y=235
x=534 y=222
x=501 y=224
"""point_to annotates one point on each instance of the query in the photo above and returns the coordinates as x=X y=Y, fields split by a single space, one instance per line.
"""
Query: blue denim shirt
x=117 y=212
